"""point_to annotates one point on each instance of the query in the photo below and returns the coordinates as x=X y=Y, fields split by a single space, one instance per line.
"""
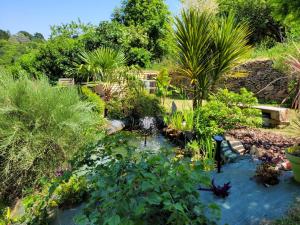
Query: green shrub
x=41 y=127
x=61 y=192
x=139 y=56
x=155 y=190
x=99 y=104
x=135 y=104
x=227 y=110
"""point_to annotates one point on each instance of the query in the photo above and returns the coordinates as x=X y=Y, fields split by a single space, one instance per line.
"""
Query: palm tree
x=207 y=48
x=101 y=64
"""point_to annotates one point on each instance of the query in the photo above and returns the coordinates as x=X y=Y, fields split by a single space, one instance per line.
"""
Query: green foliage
x=41 y=127
x=70 y=30
x=153 y=190
x=277 y=53
x=258 y=15
x=101 y=64
x=55 y=58
x=132 y=40
x=182 y=121
x=139 y=56
x=4 y=35
x=208 y=48
x=227 y=110
x=61 y=192
x=154 y=17
x=163 y=81
x=99 y=104
x=203 y=150
x=288 y=13
x=134 y=105
x=11 y=51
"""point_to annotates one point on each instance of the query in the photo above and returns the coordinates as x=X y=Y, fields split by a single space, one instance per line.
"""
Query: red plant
x=220 y=191
x=294 y=63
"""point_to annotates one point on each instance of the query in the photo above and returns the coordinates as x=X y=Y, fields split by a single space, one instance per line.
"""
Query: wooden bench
x=66 y=81
x=274 y=116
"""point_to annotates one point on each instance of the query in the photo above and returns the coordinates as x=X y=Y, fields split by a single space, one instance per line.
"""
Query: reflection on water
x=154 y=143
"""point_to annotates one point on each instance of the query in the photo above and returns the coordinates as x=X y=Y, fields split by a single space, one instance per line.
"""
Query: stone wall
x=256 y=76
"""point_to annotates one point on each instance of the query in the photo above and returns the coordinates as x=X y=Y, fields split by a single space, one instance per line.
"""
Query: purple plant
x=220 y=191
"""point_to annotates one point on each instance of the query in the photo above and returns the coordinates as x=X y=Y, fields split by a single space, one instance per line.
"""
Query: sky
x=37 y=15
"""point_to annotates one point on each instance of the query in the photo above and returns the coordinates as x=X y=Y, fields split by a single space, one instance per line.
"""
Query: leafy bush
x=135 y=105
x=61 y=192
x=139 y=56
x=99 y=104
x=154 y=190
x=41 y=127
x=227 y=110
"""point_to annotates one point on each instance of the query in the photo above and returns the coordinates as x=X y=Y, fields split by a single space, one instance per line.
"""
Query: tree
x=26 y=34
x=4 y=35
x=258 y=15
x=38 y=36
x=154 y=17
x=287 y=11
x=208 y=48
x=202 y=5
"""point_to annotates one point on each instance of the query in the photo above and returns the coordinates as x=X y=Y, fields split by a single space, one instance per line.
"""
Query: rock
x=256 y=75
x=114 y=126
x=260 y=152
x=237 y=147
x=253 y=150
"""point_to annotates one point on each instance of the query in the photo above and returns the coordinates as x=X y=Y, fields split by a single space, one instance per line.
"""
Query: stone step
x=237 y=146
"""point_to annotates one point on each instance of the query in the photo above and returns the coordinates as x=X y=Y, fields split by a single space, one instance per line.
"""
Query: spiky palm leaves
x=208 y=48
x=101 y=64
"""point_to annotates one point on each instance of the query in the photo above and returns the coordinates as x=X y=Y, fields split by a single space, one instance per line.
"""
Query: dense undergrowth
x=41 y=127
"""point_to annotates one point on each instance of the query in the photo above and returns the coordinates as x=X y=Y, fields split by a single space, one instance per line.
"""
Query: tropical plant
x=208 y=48
x=41 y=127
x=101 y=64
x=153 y=190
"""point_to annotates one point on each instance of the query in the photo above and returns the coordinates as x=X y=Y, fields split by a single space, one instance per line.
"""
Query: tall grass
x=41 y=127
x=183 y=121
x=278 y=54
